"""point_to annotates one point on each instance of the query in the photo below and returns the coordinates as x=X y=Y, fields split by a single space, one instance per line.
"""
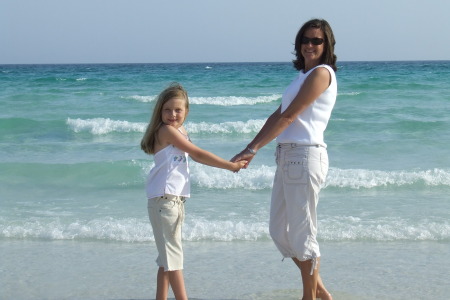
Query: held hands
x=238 y=165
x=244 y=155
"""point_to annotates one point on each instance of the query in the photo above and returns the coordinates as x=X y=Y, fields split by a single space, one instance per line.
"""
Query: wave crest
x=233 y=100
x=199 y=229
x=261 y=177
x=133 y=230
x=219 y=101
x=251 y=126
x=251 y=179
x=139 y=98
x=359 y=178
x=101 y=126
x=382 y=229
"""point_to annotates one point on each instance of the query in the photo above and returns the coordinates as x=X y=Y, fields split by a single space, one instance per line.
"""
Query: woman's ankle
x=323 y=295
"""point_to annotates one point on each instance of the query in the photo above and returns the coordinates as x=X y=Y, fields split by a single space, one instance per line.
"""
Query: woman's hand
x=244 y=155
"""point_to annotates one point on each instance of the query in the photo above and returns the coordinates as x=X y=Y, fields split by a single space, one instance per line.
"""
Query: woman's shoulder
x=323 y=68
x=320 y=71
x=324 y=72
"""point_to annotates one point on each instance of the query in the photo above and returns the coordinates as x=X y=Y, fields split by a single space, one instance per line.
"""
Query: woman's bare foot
x=323 y=295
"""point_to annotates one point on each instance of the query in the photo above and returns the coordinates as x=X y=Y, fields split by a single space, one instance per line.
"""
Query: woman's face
x=313 y=46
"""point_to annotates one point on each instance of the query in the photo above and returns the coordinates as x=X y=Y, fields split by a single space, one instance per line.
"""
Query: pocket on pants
x=295 y=172
x=168 y=212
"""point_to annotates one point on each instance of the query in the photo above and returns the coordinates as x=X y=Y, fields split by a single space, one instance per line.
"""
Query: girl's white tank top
x=170 y=175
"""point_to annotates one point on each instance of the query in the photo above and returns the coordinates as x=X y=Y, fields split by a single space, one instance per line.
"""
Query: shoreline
x=230 y=270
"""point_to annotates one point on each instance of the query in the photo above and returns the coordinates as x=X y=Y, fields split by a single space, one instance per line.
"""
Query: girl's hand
x=238 y=165
x=244 y=155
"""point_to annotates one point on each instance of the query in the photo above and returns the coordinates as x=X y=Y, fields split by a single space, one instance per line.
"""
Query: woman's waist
x=295 y=151
x=299 y=145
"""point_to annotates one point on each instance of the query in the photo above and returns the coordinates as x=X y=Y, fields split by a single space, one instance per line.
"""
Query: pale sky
x=169 y=31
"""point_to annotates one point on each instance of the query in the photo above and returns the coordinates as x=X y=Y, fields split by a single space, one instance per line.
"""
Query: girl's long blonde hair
x=175 y=90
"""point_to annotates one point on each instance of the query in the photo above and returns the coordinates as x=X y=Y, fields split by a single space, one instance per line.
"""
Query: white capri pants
x=301 y=172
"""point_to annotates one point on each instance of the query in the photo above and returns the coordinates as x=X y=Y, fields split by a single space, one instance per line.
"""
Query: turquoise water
x=72 y=176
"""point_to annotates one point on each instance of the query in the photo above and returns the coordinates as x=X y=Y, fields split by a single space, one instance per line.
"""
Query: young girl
x=168 y=183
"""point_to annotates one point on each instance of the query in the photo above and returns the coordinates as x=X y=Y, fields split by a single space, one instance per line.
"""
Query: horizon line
x=206 y=63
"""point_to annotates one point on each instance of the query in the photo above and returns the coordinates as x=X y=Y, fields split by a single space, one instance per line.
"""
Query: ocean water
x=73 y=217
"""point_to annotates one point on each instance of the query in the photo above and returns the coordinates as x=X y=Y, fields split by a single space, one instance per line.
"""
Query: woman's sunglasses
x=314 y=41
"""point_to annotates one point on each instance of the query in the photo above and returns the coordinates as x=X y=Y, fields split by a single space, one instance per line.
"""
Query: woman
x=302 y=160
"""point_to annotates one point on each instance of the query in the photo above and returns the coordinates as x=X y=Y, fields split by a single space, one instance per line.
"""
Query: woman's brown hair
x=328 y=56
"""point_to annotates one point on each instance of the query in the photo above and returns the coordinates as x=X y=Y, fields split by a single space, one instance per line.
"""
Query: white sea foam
x=253 y=178
x=233 y=100
x=359 y=178
x=220 y=101
x=250 y=126
x=99 y=126
x=382 y=229
x=261 y=177
x=129 y=230
x=349 y=94
x=200 y=229
x=140 y=98
x=132 y=230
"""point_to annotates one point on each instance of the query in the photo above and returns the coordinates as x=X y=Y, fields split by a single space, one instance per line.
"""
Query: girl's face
x=174 y=112
x=313 y=46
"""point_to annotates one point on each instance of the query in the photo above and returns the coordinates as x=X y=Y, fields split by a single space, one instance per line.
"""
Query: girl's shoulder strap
x=185 y=135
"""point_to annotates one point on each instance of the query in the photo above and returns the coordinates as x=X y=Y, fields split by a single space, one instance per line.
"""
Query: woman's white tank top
x=309 y=126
